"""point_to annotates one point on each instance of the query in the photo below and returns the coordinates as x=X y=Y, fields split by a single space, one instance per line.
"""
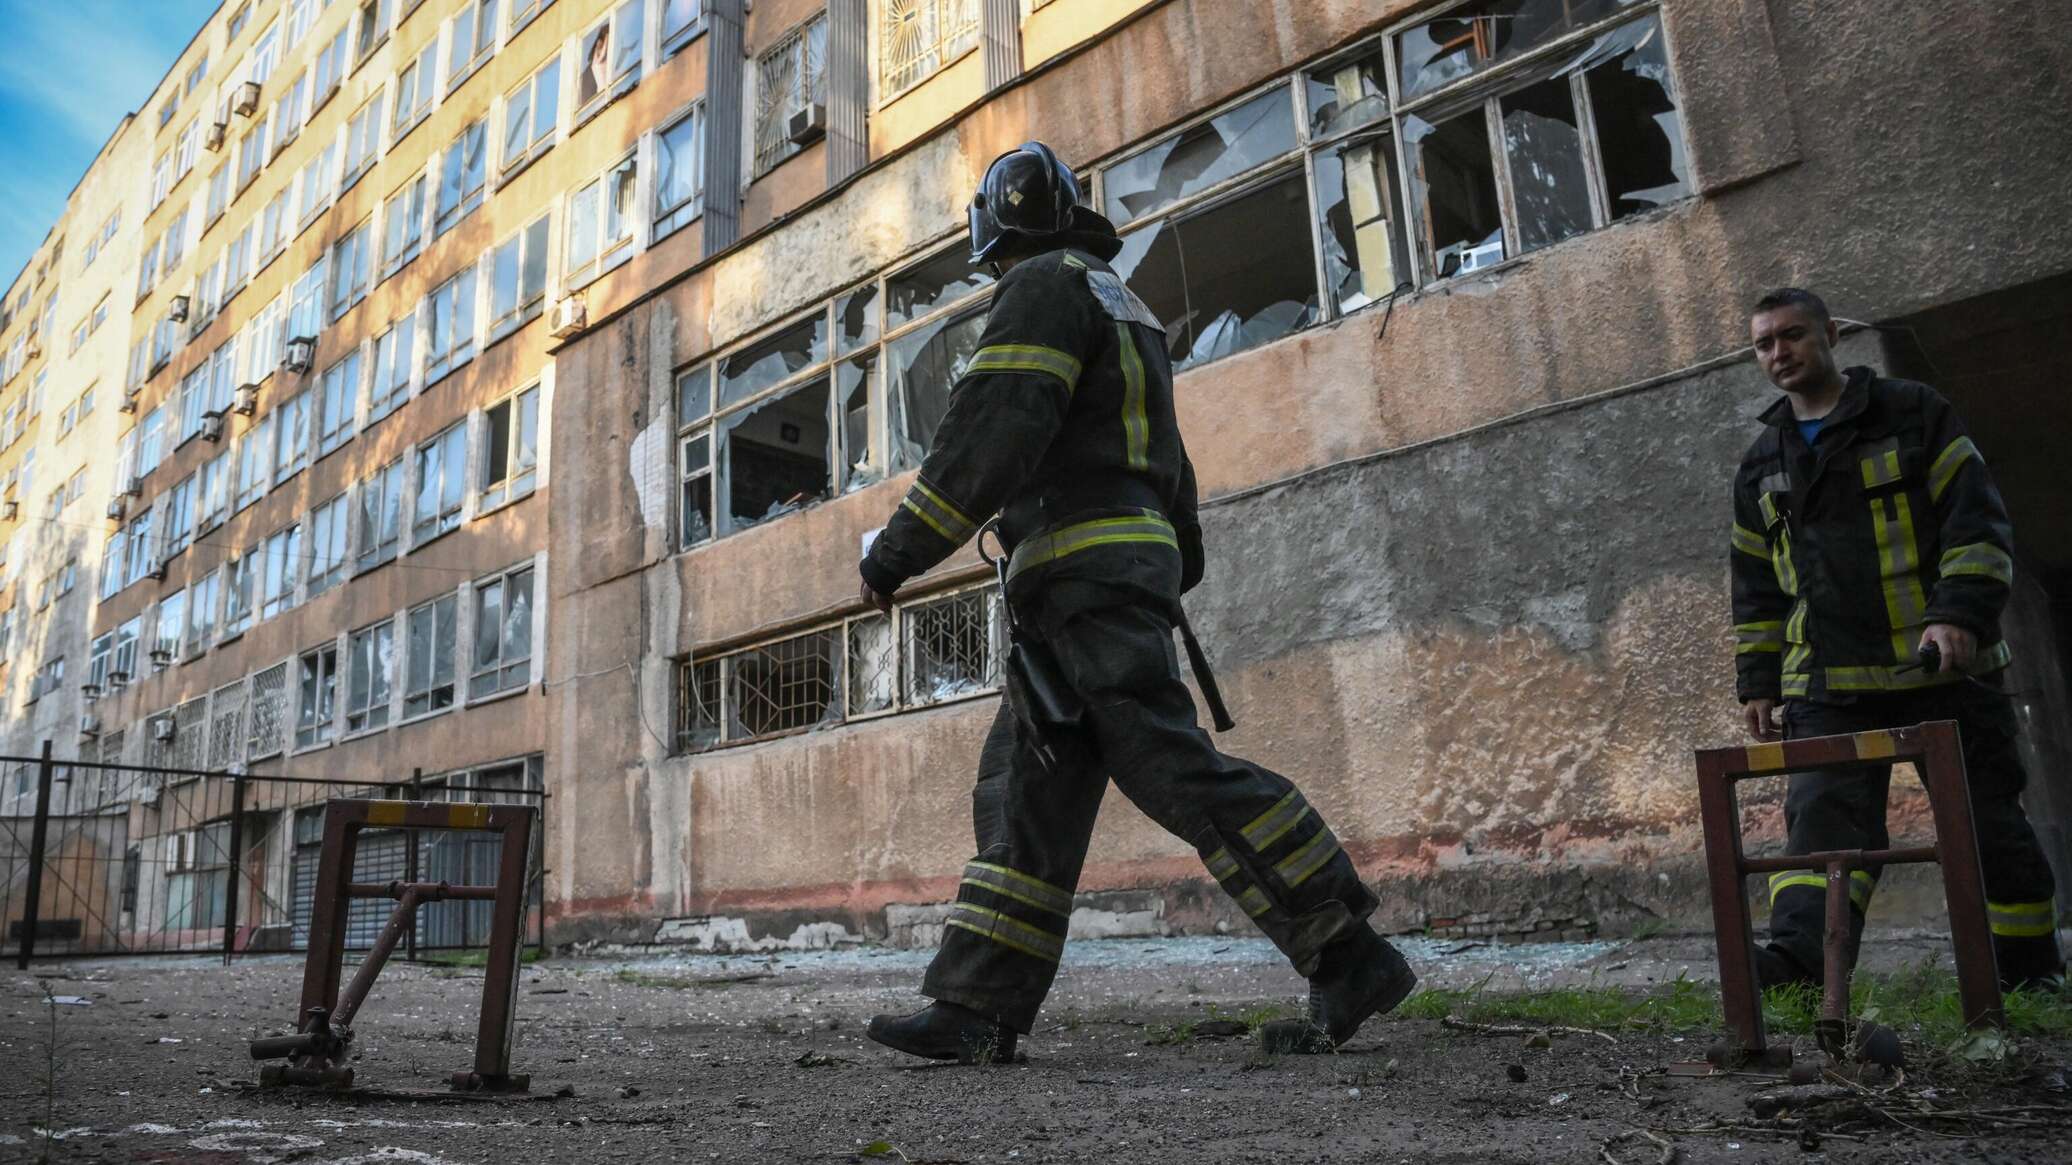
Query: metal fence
x=120 y=859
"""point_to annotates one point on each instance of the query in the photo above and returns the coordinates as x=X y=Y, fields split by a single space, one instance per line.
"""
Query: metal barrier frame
x=1936 y=753
x=343 y=821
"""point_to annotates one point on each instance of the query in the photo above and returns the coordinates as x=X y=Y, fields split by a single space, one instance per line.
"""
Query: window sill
x=417 y=544
x=396 y=136
x=368 y=55
x=475 y=66
x=306 y=749
x=421 y=717
x=682 y=41
x=323 y=453
x=533 y=153
x=506 y=694
x=501 y=504
x=362 y=733
x=353 y=179
x=605 y=100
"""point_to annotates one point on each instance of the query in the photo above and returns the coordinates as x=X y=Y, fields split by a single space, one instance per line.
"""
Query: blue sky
x=69 y=70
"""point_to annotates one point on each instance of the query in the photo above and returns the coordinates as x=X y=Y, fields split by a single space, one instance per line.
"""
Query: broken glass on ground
x=1195 y=159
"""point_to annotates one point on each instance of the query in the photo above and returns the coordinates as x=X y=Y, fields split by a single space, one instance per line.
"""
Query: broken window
x=855 y=388
x=921 y=368
x=951 y=646
x=782 y=686
x=765 y=364
x=1363 y=247
x=1230 y=274
x=1347 y=96
x=1579 y=136
x=428 y=658
x=503 y=633
x=371 y=668
x=776 y=455
x=935 y=282
x=1196 y=159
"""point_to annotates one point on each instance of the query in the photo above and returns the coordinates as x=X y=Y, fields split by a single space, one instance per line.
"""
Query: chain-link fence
x=98 y=857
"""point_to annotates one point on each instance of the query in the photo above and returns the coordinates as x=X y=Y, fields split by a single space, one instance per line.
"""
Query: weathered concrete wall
x=1486 y=658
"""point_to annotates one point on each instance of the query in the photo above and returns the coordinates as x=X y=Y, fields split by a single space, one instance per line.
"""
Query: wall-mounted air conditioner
x=213 y=139
x=162 y=728
x=177 y=310
x=301 y=353
x=567 y=318
x=212 y=426
x=89 y=725
x=118 y=508
x=129 y=400
x=807 y=124
x=136 y=485
x=246 y=400
x=246 y=99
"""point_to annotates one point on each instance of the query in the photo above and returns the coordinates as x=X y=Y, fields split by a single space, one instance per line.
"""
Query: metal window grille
x=697 y=704
x=783 y=686
x=789 y=78
x=113 y=783
x=950 y=647
x=191 y=734
x=158 y=751
x=921 y=36
x=227 y=725
x=873 y=666
x=269 y=717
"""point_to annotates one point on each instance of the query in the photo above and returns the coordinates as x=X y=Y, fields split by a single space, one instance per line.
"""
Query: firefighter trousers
x=1830 y=810
x=1260 y=840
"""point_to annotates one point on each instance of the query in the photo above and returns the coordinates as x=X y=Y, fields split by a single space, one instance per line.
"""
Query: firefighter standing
x=1063 y=424
x=1866 y=528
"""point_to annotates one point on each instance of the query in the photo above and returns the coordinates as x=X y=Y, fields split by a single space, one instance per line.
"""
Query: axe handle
x=1206 y=678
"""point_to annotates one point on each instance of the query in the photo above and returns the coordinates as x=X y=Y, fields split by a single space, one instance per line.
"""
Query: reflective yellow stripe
x=1781 y=882
x=1882 y=467
x=1026 y=358
x=1764 y=758
x=1136 y=428
x=1899 y=564
x=941 y=516
x=1748 y=541
x=1875 y=745
x=1297 y=867
x=1019 y=886
x=468 y=816
x=1763 y=636
x=1277 y=820
x=1892 y=679
x=1012 y=933
x=1801 y=648
x=1944 y=471
x=1861 y=887
x=1222 y=866
x=2022 y=919
x=1780 y=560
x=1253 y=902
x=1069 y=540
x=386 y=812
x=1978 y=558
x=1796 y=684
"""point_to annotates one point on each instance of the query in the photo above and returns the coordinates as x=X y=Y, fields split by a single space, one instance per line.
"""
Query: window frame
x=499 y=672
x=518 y=481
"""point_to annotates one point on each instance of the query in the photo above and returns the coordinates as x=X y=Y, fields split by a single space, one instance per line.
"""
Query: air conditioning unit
x=246 y=100
x=156 y=572
x=33 y=347
x=807 y=124
x=136 y=485
x=213 y=139
x=567 y=317
x=8 y=509
x=91 y=690
x=160 y=657
x=212 y=425
x=301 y=353
x=129 y=400
x=89 y=725
x=246 y=400
x=177 y=310
x=118 y=508
x=162 y=729
x=117 y=679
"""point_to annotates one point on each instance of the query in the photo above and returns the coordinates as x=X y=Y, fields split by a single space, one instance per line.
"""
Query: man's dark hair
x=1797 y=297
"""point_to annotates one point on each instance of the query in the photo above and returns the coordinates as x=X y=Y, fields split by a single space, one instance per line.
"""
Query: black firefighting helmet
x=1026 y=193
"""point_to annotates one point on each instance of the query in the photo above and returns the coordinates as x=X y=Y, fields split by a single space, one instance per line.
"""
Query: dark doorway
x=2001 y=359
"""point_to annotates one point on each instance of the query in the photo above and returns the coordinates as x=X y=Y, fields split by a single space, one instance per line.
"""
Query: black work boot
x=1358 y=976
x=946 y=1031
x=1775 y=968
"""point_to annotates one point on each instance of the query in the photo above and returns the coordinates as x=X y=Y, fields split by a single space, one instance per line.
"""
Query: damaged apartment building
x=505 y=388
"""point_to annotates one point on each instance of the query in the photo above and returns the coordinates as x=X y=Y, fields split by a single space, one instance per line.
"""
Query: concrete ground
x=662 y=1057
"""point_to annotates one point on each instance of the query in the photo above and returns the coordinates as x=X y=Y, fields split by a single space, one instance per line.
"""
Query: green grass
x=1920 y=1002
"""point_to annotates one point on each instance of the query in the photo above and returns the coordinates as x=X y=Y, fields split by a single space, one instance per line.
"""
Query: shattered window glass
x=856 y=319
x=922 y=367
x=1543 y=142
x=756 y=368
x=696 y=503
x=1639 y=135
x=1455 y=186
x=931 y=284
x=1472 y=38
x=1229 y=276
x=1195 y=159
x=1346 y=96
x=777 y=456
x=1363 y=242
x=853 y=385
x=693 y=395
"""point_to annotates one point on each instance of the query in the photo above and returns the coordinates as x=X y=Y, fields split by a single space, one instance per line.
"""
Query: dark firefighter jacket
x=1063 y=424
x=1843 y=552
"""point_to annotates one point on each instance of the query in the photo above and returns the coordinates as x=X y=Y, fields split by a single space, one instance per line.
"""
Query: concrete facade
x=1467 y=581
x=1467 y=578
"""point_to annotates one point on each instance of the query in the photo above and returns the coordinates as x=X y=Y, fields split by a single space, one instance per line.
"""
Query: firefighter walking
x=1867 y=530
x=1063 y=425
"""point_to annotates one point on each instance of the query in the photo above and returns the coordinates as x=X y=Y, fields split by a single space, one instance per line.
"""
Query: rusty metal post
x=1832 y=1028
x=1739 y=1001
x=237 y=866
x=330 y=909
x=410 y=870
x=355 y=992
x=506 y=928
x=39 y=838
x=1964 y=883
